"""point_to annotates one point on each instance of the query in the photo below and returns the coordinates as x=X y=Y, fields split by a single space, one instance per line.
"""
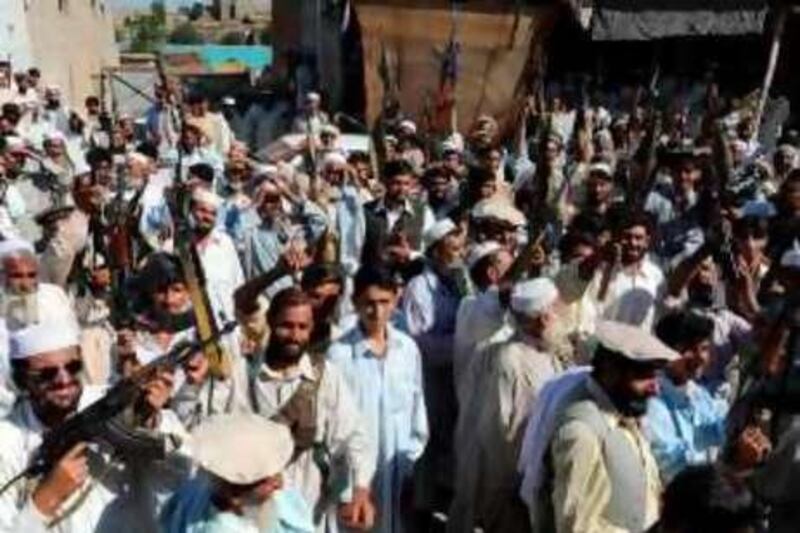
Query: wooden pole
x=774 y=53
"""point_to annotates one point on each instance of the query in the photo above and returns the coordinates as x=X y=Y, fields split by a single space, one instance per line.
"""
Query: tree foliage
x=185 y=34
x=147 y=31
x=232 y=37
x=196 y=11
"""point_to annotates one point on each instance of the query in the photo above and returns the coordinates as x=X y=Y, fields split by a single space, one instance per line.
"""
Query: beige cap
x=243 y=448
x=499 y=210
x=441 y=229
x=205 y=196
x=534 y=296
x=633 y=342
x=480 y=251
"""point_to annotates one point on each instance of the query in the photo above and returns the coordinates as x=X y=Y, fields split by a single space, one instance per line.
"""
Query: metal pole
x=774 y=53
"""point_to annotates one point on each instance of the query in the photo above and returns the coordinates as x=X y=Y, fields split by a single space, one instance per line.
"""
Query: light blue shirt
x=190 y=510
x=265 y=242
x=389 y=394
x=685 y=426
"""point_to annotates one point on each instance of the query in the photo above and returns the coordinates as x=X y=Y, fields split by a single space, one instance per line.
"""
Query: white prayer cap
x=408 y=126
x=480 y=251
x=312 y=96
x=334 y=159
x=229 y=100
x=204 y=196
x=441 y=229
x=601 y=167
x=53 y=136
x=43 y=337
x=10 y=246
x=454 y=143
x=500 y=210
x=791 y=257
x=533 y=296
x=329 y=129
x=633 y=342
x=243 y=448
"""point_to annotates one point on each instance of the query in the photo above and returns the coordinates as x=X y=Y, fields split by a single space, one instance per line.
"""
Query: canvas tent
x=499 y=43
x=642 y=20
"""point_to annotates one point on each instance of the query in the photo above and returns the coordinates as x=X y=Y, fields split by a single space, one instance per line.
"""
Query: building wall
x=242 y=8
x=70 y=40
x=15 y=41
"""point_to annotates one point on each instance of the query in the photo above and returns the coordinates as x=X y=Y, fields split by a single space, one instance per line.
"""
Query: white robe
x=113 y=496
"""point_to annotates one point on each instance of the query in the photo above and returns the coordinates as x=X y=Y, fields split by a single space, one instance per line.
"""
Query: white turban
x=334 y=159
x=204 y=196
x=43 y=337
x=480 y=251
x=408 y=126
x=533 y=296
x=11 y=246
x=437 y=232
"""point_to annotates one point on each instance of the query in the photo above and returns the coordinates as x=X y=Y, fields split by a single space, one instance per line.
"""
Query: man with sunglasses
x=85 y=490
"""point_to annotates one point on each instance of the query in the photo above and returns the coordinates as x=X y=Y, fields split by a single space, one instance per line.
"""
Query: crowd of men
x=584 y=321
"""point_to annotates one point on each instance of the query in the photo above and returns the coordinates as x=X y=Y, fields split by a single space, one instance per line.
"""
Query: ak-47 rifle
x=720 y=171
x=537 y=211
x=641 y=181
x=103 y=420
x=205 y=322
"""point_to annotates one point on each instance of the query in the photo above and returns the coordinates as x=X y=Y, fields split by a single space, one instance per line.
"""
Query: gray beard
x=20 y=310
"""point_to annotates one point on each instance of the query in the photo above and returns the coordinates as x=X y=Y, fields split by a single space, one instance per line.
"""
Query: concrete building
x=239 y=9
x=69 y=40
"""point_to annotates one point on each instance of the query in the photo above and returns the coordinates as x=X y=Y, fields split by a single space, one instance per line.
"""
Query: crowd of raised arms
x=583 y=318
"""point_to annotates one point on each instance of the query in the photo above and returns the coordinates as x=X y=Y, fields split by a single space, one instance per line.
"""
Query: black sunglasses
x=45 y=375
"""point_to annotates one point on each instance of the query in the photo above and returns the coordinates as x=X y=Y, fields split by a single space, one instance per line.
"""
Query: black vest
x=378 y=234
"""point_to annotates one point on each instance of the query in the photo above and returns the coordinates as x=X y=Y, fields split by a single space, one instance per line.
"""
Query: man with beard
x=55 y=114
x=217 y=253
x=24 y=301
x=334 y=459
x=603 y=475
x=85 y=490
x=441 y=189
x=684 y=424
x=240 y=485
x=430 y=305
x=508 y=376
x=481 y=315
x=629 y=287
